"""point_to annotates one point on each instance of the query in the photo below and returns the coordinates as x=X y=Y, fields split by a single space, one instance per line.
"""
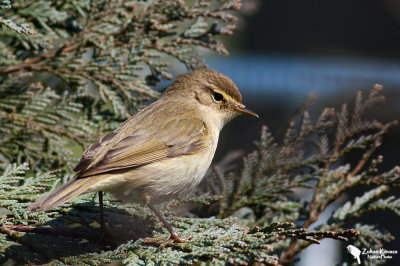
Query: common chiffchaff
x=162 y=151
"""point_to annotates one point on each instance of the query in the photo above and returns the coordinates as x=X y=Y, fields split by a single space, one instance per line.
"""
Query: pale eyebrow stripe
x=226 y=96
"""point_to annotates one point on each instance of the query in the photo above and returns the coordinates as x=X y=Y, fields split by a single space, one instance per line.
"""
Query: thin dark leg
x=102 y=223
x=174 y=236
x=166 y=224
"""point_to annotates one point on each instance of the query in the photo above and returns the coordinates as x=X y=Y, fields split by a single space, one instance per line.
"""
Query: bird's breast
x=166 y=179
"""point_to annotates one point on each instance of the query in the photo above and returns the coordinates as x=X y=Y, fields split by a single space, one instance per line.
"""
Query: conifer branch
x=97 y=63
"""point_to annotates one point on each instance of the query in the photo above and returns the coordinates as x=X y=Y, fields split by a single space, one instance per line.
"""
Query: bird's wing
x=150 y=142
x=94 y=151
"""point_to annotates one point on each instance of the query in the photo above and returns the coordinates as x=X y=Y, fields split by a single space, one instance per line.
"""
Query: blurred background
x=283 y=51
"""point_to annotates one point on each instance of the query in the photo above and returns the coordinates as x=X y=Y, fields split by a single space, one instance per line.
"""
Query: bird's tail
x=62 y=194
x=358 y=259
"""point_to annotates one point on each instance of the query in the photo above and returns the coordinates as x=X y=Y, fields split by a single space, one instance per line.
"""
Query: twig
x=12 y=229
x=30 y=61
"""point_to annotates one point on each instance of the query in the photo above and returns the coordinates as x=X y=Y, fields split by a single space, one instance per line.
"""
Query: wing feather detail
x=146 y=137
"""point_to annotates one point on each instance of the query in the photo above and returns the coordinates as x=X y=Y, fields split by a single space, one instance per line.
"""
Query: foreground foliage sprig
x=212 y=240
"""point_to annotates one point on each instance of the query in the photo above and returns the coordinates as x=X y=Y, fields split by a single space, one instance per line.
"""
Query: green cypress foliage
x=70 y=71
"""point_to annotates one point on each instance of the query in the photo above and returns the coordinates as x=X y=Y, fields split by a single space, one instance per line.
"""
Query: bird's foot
x=174 y=238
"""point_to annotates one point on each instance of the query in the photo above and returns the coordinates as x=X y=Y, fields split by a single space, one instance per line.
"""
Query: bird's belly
x=174 y=177
x=159 y=181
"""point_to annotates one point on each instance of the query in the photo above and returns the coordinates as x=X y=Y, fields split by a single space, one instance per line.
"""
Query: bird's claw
x=174 y=238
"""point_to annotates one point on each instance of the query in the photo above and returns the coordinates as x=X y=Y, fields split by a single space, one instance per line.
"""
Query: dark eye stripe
x=218 y=96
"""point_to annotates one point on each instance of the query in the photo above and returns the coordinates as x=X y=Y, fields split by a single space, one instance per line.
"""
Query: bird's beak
x=242 y=109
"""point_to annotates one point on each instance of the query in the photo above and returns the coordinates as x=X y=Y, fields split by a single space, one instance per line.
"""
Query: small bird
x=162 y=151
x=355 y=252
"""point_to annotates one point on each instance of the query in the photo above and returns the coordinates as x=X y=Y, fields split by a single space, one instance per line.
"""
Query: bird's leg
x=174 y=237
x=103 y=229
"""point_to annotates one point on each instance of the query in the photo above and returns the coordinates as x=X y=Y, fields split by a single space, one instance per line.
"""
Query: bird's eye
x=218 y=97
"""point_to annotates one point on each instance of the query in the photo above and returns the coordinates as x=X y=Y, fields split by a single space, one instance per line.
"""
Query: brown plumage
x=160 y=152
x=220 y=81
x=131 y=146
